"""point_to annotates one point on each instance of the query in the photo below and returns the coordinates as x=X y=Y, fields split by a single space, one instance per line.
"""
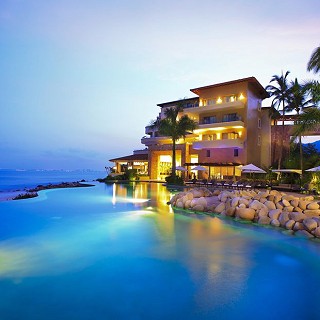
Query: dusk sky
x=81 y=79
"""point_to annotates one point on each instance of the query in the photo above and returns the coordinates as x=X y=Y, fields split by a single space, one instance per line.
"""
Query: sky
x=80 y=79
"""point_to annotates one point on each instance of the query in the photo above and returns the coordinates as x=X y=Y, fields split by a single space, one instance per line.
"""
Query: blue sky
x=81 y=79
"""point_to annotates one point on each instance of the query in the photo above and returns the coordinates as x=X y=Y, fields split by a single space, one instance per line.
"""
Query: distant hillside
x=316 y=144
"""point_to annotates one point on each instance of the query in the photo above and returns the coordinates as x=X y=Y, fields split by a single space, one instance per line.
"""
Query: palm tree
x=175 y=127
x=314 y=62
x=297 y=101
x=279 y=92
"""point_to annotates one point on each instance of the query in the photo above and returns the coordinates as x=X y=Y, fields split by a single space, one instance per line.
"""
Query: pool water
x=119 y=252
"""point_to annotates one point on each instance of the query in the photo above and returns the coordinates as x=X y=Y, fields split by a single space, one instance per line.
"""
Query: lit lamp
x=219 y=100
x=241 y=97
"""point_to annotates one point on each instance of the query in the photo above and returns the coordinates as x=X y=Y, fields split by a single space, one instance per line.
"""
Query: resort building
x=233 y=129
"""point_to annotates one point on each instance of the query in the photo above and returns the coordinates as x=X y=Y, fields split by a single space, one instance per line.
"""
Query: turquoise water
x=119 y=252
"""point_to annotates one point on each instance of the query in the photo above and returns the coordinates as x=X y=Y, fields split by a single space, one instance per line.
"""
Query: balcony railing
x=223 y=119
x=218 y=144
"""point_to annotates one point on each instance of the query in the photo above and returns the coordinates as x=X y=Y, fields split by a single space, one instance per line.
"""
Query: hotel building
x=233 y=129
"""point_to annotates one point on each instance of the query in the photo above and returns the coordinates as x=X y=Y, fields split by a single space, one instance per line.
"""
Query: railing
x=226 y=119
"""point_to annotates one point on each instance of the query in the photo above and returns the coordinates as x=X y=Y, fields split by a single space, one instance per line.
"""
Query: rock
x=187 y=204
x=270 y=205
x=294 y=202
x=283 y=219
x=310 y=224
x=245 y=213
x=244 y=201
x=179 y=204
x=313 y=206
x=288 y=208
x=198 y=207
x=312 y=213
x=286 y=203
x=255 y=205
x=275 y=223
x=297 y=216
x=264 y=220
x=316 y=232
x=279 y=206
x=263 y=212
x=189 y=195
x=220 y=207
x=230 y=212
x=298 y=226
x=235 y=201
x=274 y=214
x=289 y=224
x=303 y=204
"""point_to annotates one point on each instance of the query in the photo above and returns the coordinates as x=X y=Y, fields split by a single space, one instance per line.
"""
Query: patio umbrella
x=315 y=169
x=181 y=168
x=199 y=168
x=251 y=168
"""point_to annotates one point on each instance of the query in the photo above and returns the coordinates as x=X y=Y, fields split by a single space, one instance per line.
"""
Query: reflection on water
x=120 y=252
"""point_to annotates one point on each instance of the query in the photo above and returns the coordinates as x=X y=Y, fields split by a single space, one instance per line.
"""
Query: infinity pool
x=119 y=252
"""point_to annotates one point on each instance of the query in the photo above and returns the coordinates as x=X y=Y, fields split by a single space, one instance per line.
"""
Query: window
x=208 y=153
x=230 y=117
x=259 y=105
x=208 y=120
x=209 y=136
x=259 y=140
x=259 y=123
x=236 y=152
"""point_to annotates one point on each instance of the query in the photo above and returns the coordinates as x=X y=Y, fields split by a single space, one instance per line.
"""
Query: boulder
x=313 y=206
x=198 y=207
x=275 y=222
x=310 y=224
x=245 y=213
x=279 y=205
x=294 y=202
x=286 y=203
x=297 y=216
x=264 y=220
x=303 y=204
x=270 y=205
x=244 y=201
x=230 y=212
x=255 y=204
x=316 y=232
x=220 y=207
x=235 y=201
x=283 y=219
x=298 y=226
x=290 y=224
x=288 y=209
x=312 y=213
x=274 y=214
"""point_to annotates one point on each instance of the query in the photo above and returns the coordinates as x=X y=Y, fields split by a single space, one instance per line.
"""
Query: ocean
x=13 y=180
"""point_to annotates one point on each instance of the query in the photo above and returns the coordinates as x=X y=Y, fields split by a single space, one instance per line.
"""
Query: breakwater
x=300 y=215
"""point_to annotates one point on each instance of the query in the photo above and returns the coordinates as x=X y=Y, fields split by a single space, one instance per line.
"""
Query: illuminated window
x=219 y=100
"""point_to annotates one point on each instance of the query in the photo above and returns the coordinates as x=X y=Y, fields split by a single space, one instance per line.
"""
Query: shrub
x=174 y=179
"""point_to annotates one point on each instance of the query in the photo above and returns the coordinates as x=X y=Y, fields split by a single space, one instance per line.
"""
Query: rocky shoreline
x=32 y=193
x=300 y=215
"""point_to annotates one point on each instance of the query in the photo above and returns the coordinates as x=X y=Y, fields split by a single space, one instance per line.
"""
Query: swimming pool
x=119 y=252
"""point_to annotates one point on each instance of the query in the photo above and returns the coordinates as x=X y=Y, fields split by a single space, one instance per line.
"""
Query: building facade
x=233 y=129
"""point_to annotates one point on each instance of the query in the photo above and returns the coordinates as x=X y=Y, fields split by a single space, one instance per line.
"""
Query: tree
x=314 y=61
x=279 y=92
x=176 y=127
x=297 y=101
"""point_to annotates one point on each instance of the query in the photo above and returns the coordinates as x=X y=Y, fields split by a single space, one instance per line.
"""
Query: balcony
x=224 y=106
x=219 y=126
x=218 y=144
